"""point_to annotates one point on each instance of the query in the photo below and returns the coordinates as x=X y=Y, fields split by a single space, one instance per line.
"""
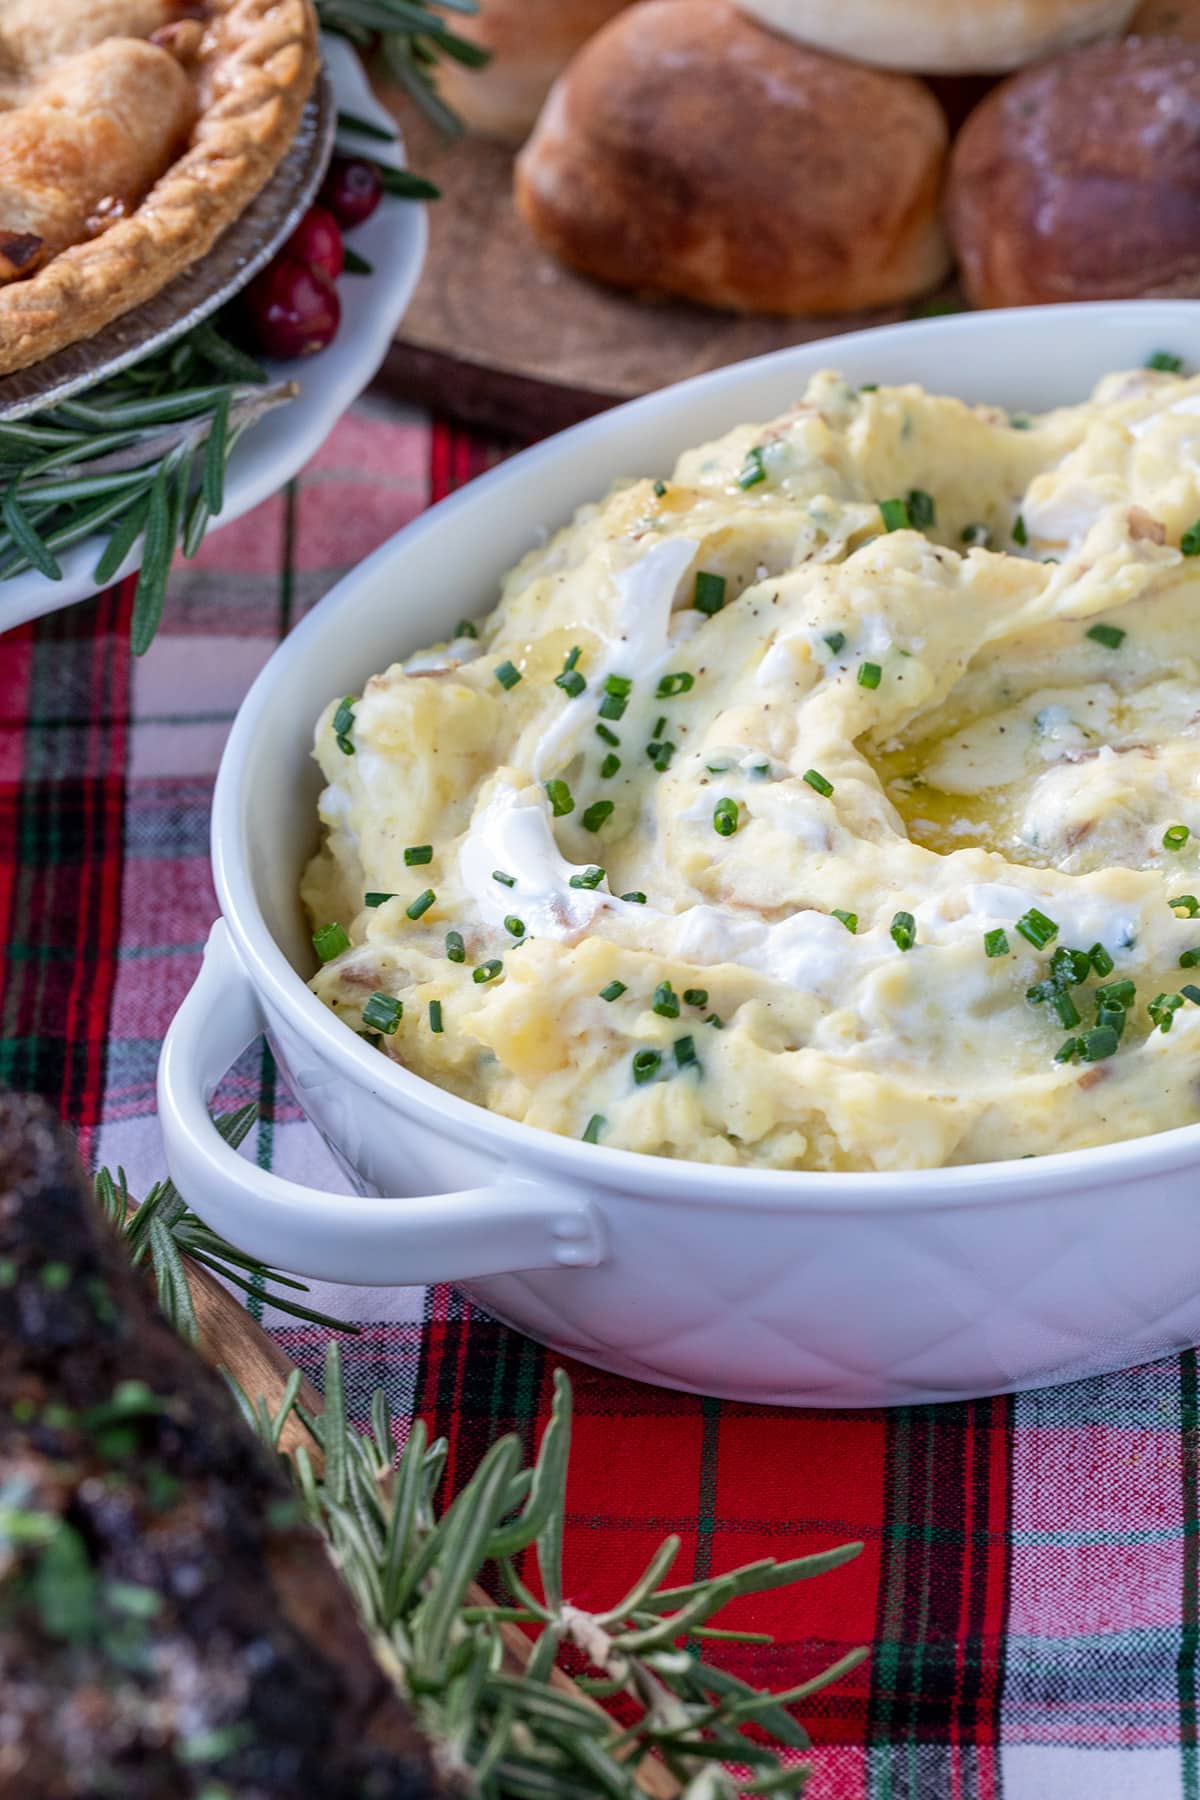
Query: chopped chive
x=507 y=674
x=1069 y=1051
x=613 y=990
x=848 y=919
x=514 y=926
x=868 y=387
x=1191 y=992
x=330 y=941
x=725 y=817
x=1175 y=837
x=435 y=1016
x=560 y=797
x=343 y=725
x=1041 y=990
x=894 y=514
x=681 y=682
x=666 y=1001
x=465 y=629
x=1189 y=903
x=596 y=815
x=1166 y=361
x=869 y=675
x=503 y=879
x=716 y=1021
x=753 y=470
x=609 y=737
x=487 y=971
x=455 y=950
x=1036 y=928
x=1019 y=533
x=836 y=641
x=593 y=1128
x=374 y=899
x=709 y=593
x=921 y=510
x=1065 y=1007
x=1116 y=993
x=421 y=905
x=1100 y=960
x=635 y=897
x=903 y=929
x=1111 y=636
x=695 y=996
x=660 y=488
x=1069 y=967
x=587 y=878
x=816 y=780
x=1162 y=1009
x=646 y=1064
x=613 y=707
x=1189 y=543
x=619 y=686
x=418 y=853
x=976 y=536
x=570 y=680
x=685 y=1053
x=1190 y=959
x=609 y=766
x=995 y=943
x=383 y=1013
x=660 y=755
x=1099 y=1042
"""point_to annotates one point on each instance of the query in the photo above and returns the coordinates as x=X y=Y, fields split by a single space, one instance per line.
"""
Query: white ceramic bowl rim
x=669 y=1178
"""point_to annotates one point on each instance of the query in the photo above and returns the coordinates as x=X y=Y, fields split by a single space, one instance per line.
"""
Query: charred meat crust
x=166 y=1622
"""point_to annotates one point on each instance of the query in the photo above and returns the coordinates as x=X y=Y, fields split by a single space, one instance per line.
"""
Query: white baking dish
x=831 y=1290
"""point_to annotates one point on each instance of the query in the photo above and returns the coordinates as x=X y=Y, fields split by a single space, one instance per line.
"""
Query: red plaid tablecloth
x=1031 y=1580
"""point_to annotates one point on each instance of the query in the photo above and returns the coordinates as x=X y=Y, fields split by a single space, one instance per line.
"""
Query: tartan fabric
x=1031 y=1577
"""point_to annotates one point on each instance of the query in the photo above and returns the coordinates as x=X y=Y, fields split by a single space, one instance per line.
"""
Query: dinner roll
x=687 y=151
x=1080 y=179
x=947 y=37
x=1170 y=18
x=530 y=41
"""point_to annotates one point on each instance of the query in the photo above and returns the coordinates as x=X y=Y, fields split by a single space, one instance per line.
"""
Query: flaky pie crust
x=260 y=62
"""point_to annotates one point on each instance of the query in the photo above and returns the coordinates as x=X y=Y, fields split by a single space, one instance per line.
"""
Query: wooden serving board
x=501 y=336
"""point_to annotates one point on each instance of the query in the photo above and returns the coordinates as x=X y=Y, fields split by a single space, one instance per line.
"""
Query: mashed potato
x=833 y=804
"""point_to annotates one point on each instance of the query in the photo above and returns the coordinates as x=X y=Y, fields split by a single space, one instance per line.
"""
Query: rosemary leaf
x=195 y=525
x=26 y=537
x=406 y=186
x=157 y=553
x=228 y=358
x=348 y=121
x=216 y=454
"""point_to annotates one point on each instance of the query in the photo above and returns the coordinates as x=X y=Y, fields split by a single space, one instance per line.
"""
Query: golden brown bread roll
x=687 y=151
x=1080 y=179
x=530 y=42
x=944 y=37
x=1166 y=18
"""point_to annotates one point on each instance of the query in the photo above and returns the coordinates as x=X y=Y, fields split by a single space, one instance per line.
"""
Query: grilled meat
x=168 y=1625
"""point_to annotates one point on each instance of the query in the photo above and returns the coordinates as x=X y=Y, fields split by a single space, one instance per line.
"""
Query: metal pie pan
x=238 y=254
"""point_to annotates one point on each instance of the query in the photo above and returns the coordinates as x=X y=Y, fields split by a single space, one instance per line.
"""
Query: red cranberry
x=291 y=309
x=317 y=242
x=351 y=190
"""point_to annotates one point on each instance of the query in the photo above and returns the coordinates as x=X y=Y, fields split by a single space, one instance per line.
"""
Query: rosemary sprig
x=512 y=1736
x=410 y=36
x=142 y=455
x=163 y=1230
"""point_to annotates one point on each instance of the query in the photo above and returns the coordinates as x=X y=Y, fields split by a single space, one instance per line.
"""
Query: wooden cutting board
x=502 y=337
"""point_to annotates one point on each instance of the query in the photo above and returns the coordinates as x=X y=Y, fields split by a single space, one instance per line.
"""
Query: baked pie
x=132 y=132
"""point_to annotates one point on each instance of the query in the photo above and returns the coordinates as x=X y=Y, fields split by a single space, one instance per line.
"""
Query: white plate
x=393 y=242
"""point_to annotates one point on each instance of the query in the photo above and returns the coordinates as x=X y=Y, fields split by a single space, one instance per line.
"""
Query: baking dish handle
x=509 y=1225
